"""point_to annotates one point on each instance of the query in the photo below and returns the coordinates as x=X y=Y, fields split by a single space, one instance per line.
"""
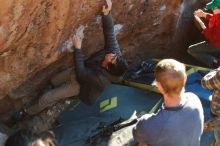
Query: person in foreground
x=207 y=52
x=179 y=122
x=211 y=81
x=27 y=138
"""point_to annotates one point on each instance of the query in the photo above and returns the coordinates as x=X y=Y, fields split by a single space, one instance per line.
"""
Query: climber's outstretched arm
x=111 y=43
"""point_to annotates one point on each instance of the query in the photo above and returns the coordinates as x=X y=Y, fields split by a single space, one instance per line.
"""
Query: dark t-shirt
x=178 y=126
x=92 y=77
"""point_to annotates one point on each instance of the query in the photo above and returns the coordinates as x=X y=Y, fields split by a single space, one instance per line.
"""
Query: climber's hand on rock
x=77 y=42
x=200 y=13
x=107 y=9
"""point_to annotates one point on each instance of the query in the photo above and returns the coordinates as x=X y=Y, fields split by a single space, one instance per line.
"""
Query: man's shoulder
x=145 y=120
x=193 y=101
x=191 y=96
x=152 y=119
x=148 y=123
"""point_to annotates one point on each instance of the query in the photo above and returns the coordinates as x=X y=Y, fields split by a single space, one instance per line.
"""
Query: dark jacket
x=92 y=77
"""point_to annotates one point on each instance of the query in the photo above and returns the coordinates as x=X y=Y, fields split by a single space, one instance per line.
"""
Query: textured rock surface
x=32 y=33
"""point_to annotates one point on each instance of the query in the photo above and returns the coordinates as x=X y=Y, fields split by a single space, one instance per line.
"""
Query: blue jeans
x=203 y=52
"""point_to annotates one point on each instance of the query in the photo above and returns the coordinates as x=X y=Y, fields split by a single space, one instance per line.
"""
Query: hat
x=213 y=4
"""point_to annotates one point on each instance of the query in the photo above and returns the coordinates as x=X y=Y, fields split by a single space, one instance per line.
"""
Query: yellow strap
x=190 y=71
x=153 y=110
x=141 y=86
x=195 y=69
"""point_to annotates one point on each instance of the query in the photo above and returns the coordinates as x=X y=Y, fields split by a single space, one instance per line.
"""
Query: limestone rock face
x=32 y=33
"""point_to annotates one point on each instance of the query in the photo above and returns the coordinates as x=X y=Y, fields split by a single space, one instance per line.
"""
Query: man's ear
x=159 y=87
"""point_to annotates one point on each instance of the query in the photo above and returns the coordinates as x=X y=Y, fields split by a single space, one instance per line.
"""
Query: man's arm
x=81 y=69
x=199 y=23
x=111 y=43
x=209 y=33
x=138 y=134
x=140 y=131
x=198 y=14
x=212 y=80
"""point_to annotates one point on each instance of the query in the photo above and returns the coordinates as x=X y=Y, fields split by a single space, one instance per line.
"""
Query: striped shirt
x=212 y=81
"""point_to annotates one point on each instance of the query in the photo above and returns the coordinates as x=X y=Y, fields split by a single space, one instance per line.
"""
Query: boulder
x=33 y=33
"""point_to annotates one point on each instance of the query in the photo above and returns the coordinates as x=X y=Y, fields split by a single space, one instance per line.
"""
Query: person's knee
x=45 y=99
